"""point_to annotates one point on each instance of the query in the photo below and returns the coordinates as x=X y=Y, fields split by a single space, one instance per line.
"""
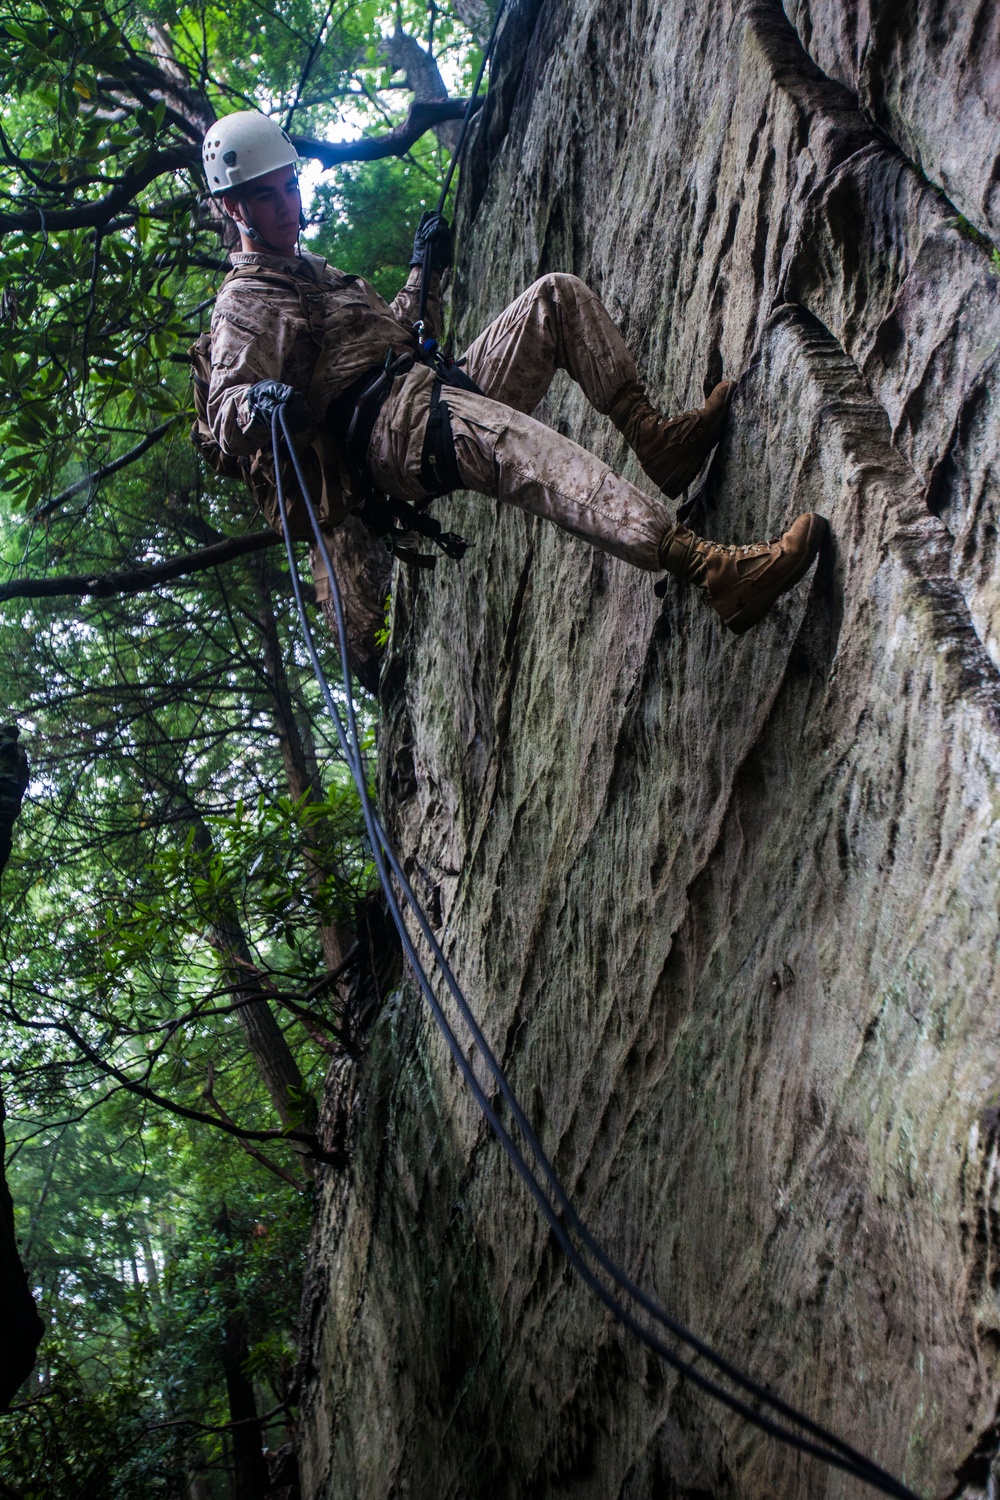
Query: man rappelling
x=379 y=415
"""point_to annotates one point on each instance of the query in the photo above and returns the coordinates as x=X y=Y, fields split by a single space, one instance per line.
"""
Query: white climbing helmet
x=242 y=146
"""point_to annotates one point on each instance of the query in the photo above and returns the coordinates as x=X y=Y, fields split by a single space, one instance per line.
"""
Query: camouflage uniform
x=315 y=329
x=321 y=340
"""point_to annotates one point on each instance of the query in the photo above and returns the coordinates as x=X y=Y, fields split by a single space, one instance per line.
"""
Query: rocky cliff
x=728 y=908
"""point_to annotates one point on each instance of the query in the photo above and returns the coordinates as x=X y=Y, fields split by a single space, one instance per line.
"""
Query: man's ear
x=233 y=207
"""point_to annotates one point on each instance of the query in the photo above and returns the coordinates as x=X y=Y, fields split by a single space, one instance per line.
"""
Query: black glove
x=264 y=398
x=434 y=232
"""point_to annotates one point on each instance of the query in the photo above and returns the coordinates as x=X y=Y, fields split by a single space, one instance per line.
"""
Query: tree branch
x=143 y=1091
x=265 y=1161
x=422 y=77
x=422 y=117
x=95 y=215
x=41 y=511
x=138 y=580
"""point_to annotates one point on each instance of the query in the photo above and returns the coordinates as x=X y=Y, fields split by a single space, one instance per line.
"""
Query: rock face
x=727 y=909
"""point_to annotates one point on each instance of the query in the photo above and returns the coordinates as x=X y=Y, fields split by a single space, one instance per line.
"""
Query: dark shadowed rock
x=928 y=73
x=13 y=784
x=20 y=1326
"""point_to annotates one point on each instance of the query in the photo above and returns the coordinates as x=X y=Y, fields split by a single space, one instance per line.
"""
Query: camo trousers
x=557 y=324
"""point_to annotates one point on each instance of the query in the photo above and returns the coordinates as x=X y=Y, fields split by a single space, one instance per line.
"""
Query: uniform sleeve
x=406 y=305
x=252 y=337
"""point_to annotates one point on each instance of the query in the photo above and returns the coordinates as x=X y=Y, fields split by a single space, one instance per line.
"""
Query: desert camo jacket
x=318 y=330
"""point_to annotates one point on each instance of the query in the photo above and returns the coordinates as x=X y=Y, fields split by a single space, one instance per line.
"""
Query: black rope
x=561 y=1216
x=425 y=269
x=470 y=107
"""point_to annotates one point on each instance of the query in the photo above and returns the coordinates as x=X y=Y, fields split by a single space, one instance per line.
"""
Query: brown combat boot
x=741 y=583
x=670 y=449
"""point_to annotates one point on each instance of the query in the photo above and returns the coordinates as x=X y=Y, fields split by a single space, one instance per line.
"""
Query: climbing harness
x=352 y=417
x=365 y=407
x=572 y=1234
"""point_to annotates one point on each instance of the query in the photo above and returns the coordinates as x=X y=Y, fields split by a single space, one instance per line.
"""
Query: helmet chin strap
x=258 y=239
x=254 y=234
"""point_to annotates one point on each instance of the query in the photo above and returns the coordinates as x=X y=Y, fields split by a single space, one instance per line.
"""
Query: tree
x=187 y=943
x=109 y=233
x=22 y=1325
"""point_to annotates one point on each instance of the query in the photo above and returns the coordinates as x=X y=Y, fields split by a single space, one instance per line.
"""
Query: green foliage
x=382 y=636
x=189 y=826
x=370 y=215
x=91 y=314
x=150 y=730
x=255 y=865
x=139 y=1284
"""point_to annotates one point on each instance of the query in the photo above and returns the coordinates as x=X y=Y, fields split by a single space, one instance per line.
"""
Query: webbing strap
x=439 y=473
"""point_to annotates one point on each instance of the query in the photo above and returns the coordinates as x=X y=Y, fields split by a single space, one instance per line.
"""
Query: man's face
x=271 y=204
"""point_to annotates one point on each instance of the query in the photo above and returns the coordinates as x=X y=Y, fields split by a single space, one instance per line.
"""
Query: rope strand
x=553 y=1202
x=425 y=269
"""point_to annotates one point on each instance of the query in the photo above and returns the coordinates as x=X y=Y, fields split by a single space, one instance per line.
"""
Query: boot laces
x=676 y=429
x=734 y=549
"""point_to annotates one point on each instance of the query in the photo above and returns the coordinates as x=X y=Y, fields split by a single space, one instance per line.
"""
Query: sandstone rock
x=727 y=909
x=929 y=76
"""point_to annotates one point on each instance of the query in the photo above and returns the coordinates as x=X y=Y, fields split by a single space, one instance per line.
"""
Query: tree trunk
x=250 y=1478
x=302 y=777
x=265 y=1038
x=152 y=1274
x=422 y=76
x=20 y=1326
